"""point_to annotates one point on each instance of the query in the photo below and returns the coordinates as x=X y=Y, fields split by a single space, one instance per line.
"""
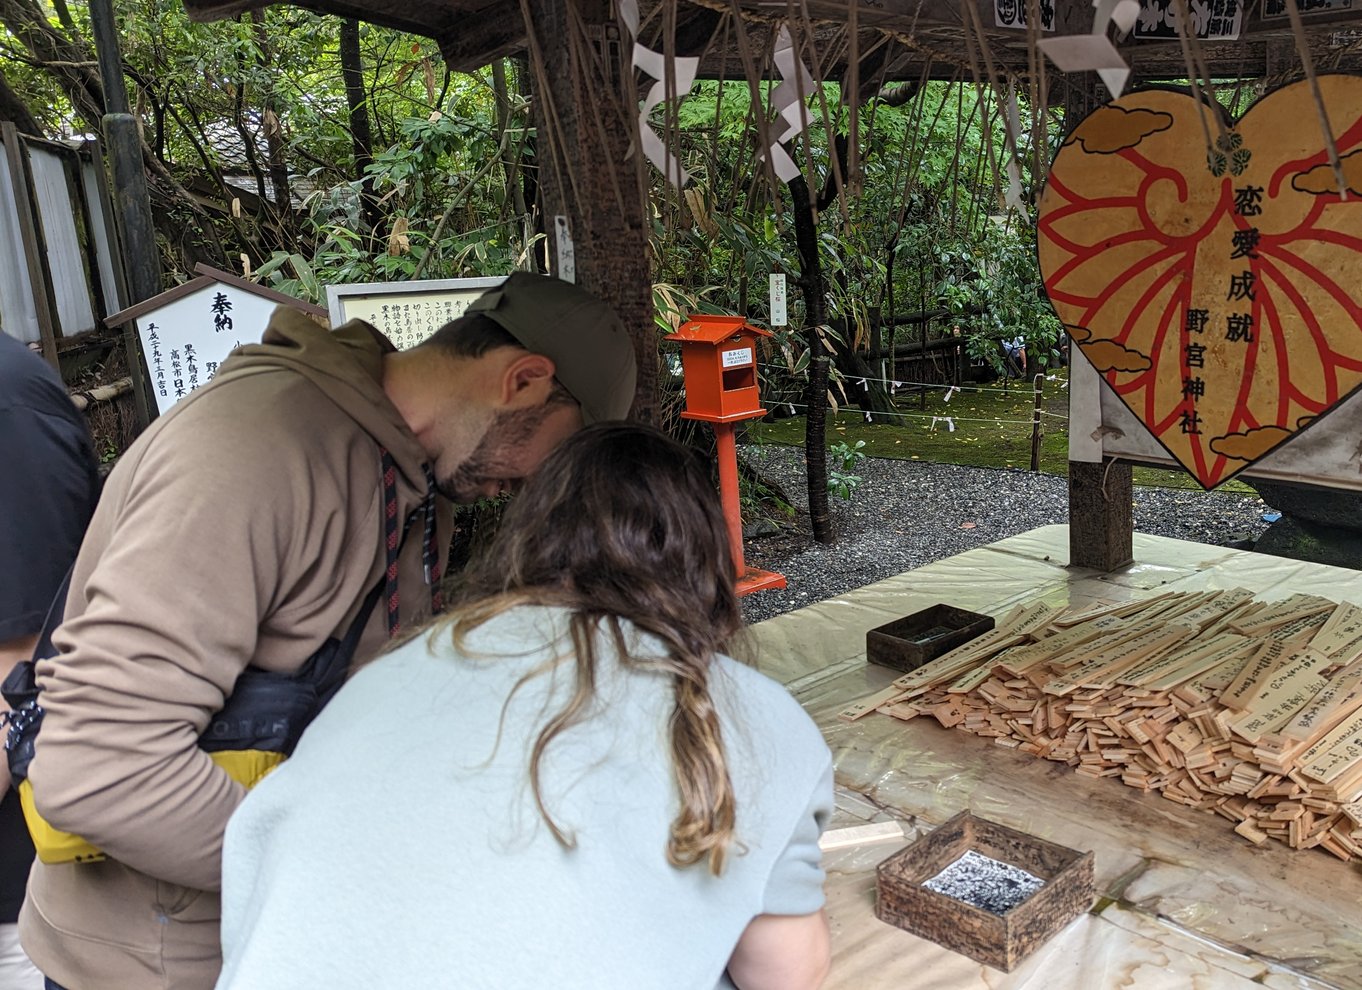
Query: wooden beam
x=471 y=43
x=1101 y=520
x=472 y=33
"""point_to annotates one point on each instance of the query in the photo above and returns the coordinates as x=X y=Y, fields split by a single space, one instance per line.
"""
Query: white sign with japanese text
x=406 y=312
x=737 y=359
x=185 y=340
x=778 y=316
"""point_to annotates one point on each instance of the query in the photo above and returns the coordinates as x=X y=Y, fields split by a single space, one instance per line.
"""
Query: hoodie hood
x=346 y=364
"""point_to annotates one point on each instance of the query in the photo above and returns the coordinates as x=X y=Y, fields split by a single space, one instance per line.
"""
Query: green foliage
x=999 y=276
x=843 y=459
x=928 y=220
x=920 y=223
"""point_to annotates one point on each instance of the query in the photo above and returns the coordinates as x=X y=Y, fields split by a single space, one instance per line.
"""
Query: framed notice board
x=406 y=312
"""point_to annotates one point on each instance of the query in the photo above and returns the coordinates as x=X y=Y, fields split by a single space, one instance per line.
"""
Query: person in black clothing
x=49 y=481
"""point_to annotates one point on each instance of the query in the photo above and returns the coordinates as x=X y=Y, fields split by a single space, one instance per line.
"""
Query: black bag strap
x=20 y=686
x=55 y=613
x=326 y=669
x=394 y=541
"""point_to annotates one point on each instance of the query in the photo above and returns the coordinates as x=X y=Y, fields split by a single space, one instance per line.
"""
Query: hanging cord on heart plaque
x=1303 y=47
x=1183 y=21
x=1040 y=96
x=974 y=35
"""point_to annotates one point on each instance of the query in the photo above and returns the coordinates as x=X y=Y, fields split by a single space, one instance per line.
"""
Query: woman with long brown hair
x=565 y=783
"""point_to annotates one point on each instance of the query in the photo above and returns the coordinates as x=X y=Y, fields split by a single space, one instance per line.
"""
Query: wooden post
x=750 y=579
x=1035 y=426
x=104 y=205
x=590 y=170
x=1101 y=526
x=34 y=244
x=141 y=258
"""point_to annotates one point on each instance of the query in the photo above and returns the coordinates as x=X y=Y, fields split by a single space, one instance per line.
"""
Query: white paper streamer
x=792 y=116
x=1084 y=52
x=655 y=64
x=1013 y=197
x=1013 y=114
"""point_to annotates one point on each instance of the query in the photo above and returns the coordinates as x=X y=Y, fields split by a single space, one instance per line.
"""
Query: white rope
x=900 y=383
x=793 y=406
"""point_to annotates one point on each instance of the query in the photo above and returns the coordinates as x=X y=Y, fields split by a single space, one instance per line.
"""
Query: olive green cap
x=590 y=349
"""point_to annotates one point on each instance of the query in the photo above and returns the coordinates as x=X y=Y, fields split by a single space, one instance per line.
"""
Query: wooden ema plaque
x=1253 y=712
x=998 y=940
x=1217 y=294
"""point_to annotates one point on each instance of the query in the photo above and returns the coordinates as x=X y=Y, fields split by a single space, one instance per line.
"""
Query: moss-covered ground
x=992 y=428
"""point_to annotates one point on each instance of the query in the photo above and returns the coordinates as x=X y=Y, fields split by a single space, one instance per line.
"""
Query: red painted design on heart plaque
x=1219 y=295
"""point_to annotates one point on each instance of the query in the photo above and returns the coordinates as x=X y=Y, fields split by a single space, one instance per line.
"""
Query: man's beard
x=508 y=431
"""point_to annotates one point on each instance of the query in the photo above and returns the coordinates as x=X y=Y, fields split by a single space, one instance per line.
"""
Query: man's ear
x=527 y=380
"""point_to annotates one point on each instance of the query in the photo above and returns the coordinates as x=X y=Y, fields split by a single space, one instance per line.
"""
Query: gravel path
x=908 y=513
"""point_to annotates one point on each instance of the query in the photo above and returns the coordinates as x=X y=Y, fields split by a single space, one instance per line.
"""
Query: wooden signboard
x=1215 y=295
x=188 y=331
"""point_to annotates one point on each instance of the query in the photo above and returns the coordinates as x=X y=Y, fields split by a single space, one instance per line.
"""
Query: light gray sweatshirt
x=401 y=845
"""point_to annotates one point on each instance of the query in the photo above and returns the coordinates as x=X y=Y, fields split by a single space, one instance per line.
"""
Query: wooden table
x=1182 y=901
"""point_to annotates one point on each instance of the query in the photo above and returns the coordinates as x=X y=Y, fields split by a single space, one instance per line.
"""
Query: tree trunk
x=513 y=199
x=816 y=400
x=13 y=108
x=588 y=173
x=277 y=162
x=71 y=63
x=860 y=378
x=530 y=203
x=361 y=137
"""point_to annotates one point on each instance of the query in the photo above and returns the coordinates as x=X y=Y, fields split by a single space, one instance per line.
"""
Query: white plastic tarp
x=1183 y=901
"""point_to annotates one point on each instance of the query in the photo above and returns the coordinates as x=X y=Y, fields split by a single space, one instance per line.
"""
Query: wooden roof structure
x=929 y=37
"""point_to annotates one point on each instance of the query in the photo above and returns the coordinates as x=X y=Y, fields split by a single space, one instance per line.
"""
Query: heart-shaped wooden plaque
x=1220 y=295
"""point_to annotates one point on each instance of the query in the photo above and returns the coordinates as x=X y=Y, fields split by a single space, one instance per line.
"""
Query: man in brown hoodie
x=244 y=528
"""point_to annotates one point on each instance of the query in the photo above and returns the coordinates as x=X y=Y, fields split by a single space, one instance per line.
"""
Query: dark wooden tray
x=907 y=643
x=998 y=940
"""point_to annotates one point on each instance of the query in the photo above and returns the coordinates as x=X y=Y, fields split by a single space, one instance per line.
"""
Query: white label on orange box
x=738 y=358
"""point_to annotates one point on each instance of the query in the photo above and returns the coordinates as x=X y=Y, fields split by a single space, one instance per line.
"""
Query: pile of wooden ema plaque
x=1250 y=710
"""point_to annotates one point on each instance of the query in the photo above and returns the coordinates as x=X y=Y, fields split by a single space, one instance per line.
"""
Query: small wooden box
x=1001 y=941
x=909 y=642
